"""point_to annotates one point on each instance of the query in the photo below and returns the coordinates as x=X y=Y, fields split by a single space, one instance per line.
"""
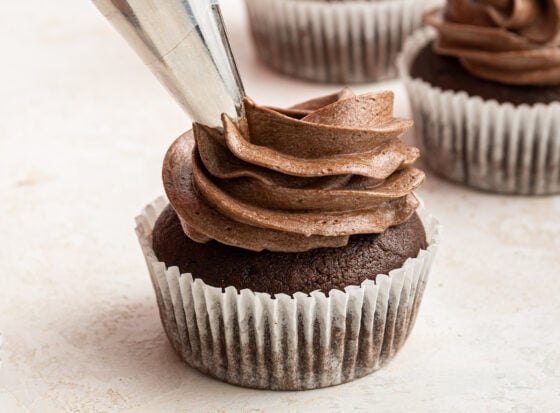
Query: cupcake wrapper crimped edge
x=492 y=146
x=337 y=42
x=285 y=343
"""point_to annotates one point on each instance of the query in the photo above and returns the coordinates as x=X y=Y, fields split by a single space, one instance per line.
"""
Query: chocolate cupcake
x=344 y=41
x=484 y=90
x=293 y=254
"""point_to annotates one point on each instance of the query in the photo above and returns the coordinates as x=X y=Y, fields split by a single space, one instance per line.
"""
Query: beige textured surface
x=83 y=131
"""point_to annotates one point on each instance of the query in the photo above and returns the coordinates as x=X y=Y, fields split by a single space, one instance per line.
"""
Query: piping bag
x=184 y=43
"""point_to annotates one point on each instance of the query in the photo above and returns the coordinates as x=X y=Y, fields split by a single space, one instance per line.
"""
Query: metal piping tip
x=185 y=44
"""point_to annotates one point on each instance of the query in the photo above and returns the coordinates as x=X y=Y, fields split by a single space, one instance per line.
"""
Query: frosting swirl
x=295 y=179
x=508 y=41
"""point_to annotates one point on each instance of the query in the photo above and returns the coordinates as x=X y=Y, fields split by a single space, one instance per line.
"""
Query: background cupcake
x=345 y=41
x=283 y=262
x=484 y=89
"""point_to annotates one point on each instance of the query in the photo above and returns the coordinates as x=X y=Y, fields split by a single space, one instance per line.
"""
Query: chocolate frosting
x=295 y=179
x=508 y=41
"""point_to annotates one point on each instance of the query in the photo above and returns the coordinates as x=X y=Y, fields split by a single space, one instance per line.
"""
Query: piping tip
x=185 y=45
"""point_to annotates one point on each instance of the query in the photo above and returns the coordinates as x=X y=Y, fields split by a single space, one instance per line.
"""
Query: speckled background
x=83 y=130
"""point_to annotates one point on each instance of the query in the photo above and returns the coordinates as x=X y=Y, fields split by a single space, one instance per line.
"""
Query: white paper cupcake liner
x=285 y=343
x=337 y=42
x=484 y=144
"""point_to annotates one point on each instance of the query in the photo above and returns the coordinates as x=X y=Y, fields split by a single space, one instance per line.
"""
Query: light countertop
x=83 y=130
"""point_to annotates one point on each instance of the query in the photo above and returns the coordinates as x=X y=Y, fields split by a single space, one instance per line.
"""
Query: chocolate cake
x=334 y=41
x=314 y=197
x=323 y=269
x=293 y=254
x=484 y=89
x=448 y=73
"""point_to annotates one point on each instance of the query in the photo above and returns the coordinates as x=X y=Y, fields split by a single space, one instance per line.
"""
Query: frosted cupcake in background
x=344 y=41
x=484 y=88
x=294 y=254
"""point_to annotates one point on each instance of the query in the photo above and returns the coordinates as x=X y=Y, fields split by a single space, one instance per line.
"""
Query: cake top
x=295 y=179
x=508 y=41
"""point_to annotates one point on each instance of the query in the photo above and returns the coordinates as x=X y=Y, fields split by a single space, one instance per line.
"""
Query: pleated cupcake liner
x=282 y=342
x=497 y=147
x=336 y=42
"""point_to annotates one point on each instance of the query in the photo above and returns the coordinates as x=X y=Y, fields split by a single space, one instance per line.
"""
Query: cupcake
x=344 y=41
x=484 y=89
x=293 y=253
